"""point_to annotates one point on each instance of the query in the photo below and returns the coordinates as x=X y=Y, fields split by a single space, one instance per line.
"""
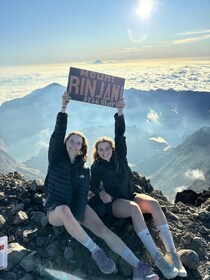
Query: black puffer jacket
x=65 y=183
x=115 y=175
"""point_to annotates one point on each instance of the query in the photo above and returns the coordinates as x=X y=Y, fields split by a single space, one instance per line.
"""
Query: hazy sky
x=60 y=31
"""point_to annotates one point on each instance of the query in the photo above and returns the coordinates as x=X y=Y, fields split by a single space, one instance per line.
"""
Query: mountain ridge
x=180 y=164
x=156 y=121
x=8 y=164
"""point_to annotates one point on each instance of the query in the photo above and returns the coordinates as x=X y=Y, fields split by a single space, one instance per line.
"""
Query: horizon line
x=95 y=62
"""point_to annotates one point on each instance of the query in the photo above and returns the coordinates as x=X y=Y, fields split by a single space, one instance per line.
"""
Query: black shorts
x=99 y=207
x=102 y=208
x=53 y=206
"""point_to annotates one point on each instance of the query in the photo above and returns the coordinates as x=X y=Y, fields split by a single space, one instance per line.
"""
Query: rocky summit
x=36 y=250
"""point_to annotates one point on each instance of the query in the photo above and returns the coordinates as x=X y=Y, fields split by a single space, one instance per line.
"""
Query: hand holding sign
x=65 y=100
x=120 y=106
x=95 y=88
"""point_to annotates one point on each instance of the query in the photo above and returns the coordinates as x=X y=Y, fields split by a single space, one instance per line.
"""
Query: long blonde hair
x=84 y=149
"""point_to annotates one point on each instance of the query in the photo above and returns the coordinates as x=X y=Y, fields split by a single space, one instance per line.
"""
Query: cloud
x=152 y=116
x=174 y=191
x=128 y=50
x=176 y=74
x=199 y=31
x=195 y=174
x=131 y=164
x=175 y=110
x=180 y=188
x=158 y=139
x=43 y=138
x=190 y=40
x=204 y=34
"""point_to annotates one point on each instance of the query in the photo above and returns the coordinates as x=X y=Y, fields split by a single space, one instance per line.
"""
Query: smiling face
x=74 y=145
x=104 y=150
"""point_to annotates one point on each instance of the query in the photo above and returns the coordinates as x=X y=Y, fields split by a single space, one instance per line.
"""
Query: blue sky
x=62 y=31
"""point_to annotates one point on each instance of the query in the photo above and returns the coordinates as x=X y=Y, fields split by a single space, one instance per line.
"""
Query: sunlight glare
x=145 y=7
x=59 y=275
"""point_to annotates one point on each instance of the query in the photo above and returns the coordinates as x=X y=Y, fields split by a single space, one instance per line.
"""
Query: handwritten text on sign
x=94 y=87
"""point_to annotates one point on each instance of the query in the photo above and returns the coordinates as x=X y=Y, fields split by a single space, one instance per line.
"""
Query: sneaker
x=144 y=272
x=174 y=259
x=105 y=264
x=167 y=270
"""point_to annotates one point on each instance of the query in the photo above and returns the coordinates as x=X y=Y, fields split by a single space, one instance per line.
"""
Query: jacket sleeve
x=95 y=179
x=56 y=144
x=82 y=195
x=120 y=142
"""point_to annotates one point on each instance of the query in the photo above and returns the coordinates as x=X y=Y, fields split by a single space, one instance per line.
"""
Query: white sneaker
x=174 y=259
x=167 y=270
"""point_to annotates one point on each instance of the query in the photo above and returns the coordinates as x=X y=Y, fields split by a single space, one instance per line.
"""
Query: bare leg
x=150 y=205
x=123 y=208
x=62 y=216
x=94 y=223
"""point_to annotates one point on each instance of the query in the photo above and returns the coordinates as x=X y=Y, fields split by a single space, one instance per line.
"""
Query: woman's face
x=74 y=145
x=105 y=150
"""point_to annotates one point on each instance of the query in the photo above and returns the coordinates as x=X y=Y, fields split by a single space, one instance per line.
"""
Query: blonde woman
x=110 y=167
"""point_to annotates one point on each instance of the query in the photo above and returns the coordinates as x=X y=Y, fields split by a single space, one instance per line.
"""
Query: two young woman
x=111 y=171
x=66 y=191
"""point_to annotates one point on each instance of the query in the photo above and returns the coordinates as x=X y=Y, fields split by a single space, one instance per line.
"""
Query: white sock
x=129 y=257
x=165 y=235
x=90 y=245
x=148 y=242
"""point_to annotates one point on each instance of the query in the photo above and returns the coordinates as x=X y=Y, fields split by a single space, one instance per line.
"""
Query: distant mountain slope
x=7 y=164
x=40 y=161
x=186 y=166
x=27 y=122
x=23 y=117
x=155 y=121
x=200 y=185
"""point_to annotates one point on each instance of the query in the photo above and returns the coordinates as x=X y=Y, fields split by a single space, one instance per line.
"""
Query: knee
x=155 y=206
x=135 y=209
x=64 y=212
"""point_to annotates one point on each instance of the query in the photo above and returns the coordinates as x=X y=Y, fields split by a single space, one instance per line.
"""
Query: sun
x=145 y=8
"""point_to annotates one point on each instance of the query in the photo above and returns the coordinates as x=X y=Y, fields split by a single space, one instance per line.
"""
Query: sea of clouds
x=179 y=74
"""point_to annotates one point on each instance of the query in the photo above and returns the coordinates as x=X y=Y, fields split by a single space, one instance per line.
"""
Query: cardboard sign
x=95 y=88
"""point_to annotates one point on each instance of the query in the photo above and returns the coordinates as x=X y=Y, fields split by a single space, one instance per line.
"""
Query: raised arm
x=120 y=143
x=56 y=145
